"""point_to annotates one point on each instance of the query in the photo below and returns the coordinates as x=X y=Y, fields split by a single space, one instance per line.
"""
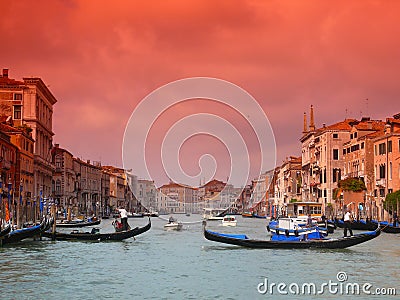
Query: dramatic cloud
x=100 y=58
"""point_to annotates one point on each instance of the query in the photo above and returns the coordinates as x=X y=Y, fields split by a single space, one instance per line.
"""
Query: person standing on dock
x=124 y=218
x=347 y=223
x=395 y=219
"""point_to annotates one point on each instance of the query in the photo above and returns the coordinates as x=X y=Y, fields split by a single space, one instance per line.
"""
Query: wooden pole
x=54 y=215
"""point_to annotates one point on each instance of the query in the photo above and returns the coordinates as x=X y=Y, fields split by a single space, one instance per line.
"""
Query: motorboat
x=173 y=224
x=213 y=214
x=229 y=220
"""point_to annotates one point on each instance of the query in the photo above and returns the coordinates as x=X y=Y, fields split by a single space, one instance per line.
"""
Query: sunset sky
x=101 y=58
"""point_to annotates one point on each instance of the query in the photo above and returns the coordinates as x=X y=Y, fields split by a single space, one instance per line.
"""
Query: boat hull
x=78 y=224
x=24 y=233
x=244 y=241
x=88 y=236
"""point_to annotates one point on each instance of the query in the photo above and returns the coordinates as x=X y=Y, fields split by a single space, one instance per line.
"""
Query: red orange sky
x=100 y=58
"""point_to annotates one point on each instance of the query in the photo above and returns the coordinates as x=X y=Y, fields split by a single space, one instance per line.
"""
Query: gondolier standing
x=347 y=222
x=124 y=218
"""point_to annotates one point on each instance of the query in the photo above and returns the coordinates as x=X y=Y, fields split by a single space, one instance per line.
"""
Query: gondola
x=333 y=243
x=20 y=234
x=389 y=228
x=74 y=224
x=358 y=225
x=94 y=235
x=5 y=230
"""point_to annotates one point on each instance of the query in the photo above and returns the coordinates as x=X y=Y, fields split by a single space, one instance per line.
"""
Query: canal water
x=183 y=265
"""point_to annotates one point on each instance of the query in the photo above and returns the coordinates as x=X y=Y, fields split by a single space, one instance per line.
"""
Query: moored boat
x=78 y=224
x=295 y=243
x=21 y=234
x=359 y=224
x=295 y=227
x=5 y=230
x=389 y=228
x=95 y=235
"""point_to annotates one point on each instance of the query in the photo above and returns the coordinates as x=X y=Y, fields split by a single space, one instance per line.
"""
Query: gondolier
x=347 y=223
x=124 y=218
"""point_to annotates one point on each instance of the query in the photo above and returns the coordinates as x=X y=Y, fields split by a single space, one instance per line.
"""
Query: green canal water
x=183 y=265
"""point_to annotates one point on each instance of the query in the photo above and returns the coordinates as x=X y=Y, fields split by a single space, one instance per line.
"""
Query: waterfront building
x=147 y=196
x=118 y=188
x=244 y=198
x=23 y=179
x=288 y=183
x=8 y=164
x=65 y=187
x=358 y=157
x=30 y=103
x=88 y=186
x=387 y=163
x=178 y=198
x=322 y=161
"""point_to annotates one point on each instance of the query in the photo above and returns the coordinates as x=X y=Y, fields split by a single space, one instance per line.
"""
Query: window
x=355 y=134
x=389 y=150
x=382 y=171
x=362 y=145
x=335 y=154
x=390 y=171
x=375 y=150
x=335 y=136
x=344 y=151
x=58 y=161
x=382 y=192
x=351 y=136
x=17 y=112
x=17 y=96
x=382 y=148
x=58 y=185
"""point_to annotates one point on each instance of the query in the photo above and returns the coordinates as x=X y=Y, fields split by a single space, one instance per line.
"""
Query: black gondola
x=358 y=225
x=96 y=236
x=333 y=243
x=5 y=230
x=389 y=228
x=74 y=224
x=20 y=234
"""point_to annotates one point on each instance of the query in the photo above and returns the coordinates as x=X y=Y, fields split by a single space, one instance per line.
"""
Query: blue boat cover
x=234 y=236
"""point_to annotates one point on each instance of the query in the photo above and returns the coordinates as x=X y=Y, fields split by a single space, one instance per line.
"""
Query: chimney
x=5 y=73
x=305 y=123
x=312 y=125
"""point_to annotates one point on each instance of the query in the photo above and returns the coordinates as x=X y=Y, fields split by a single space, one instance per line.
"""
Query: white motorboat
x=173 y=224
x=212 y=214
x=229 y=221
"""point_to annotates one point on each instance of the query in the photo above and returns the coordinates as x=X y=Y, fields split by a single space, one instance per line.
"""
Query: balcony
x=381 y=182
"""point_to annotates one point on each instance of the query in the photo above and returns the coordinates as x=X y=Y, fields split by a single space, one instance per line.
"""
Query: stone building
x=65 y=185
x=387 y=163
x=30 y=103
x=23 y=179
